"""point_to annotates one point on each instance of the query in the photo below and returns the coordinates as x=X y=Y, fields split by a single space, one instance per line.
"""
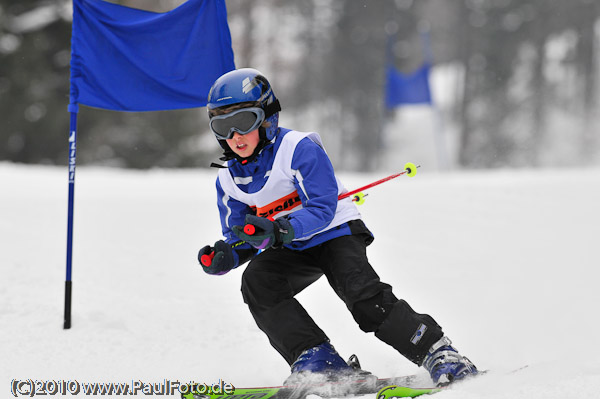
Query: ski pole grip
x=249 y=229
x=207 y=259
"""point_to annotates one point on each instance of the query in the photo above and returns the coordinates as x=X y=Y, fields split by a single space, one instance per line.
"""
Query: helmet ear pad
x=271 y=131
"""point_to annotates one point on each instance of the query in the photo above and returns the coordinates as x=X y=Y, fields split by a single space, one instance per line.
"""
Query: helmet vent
x=248 y=85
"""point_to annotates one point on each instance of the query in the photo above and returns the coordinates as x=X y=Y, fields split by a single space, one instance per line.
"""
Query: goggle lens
x=242 y=121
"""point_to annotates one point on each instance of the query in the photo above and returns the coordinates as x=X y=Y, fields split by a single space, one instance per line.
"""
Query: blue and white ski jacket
x=291 y=177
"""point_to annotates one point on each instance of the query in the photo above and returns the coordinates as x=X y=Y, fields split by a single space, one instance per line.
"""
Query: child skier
x=278 y=193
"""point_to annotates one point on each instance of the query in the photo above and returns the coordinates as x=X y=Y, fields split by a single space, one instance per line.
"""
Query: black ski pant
x=276 y=275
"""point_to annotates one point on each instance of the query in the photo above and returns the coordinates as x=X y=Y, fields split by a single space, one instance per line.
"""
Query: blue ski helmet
x=246 y=85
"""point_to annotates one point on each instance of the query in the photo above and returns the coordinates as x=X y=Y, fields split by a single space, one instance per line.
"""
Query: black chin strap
x=217 y=165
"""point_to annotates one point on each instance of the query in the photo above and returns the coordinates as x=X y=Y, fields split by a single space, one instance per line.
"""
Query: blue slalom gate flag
x=127 y=59
x=403 y=89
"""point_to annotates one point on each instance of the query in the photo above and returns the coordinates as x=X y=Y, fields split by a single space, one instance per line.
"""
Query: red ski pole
x=410 y=169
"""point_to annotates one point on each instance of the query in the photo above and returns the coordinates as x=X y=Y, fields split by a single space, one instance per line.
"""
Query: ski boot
x=446 y=365
x=322 y=364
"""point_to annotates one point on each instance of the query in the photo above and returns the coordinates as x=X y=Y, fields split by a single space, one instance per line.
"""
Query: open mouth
x=241 y=146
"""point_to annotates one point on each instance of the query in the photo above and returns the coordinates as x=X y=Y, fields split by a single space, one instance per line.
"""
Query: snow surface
x=506 y=261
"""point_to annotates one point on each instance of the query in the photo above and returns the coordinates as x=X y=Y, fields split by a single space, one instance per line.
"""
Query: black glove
x=263 y=233
x=218 y=259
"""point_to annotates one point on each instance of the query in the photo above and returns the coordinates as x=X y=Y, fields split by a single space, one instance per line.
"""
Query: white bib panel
x=278 y=197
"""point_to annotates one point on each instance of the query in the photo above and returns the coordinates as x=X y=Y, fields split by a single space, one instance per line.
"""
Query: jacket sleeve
x=316 y=184
x=233 y=212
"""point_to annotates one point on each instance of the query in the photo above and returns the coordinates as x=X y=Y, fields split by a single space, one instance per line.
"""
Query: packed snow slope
x=506 y=261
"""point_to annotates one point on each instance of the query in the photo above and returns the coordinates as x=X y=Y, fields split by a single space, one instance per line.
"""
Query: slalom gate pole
x=410 y=170
x=73 y=109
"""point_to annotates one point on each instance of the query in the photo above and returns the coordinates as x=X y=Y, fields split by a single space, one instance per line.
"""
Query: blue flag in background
x=127 y=59
x=402 y=89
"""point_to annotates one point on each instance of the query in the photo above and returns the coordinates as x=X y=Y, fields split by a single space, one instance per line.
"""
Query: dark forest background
x=523 y=83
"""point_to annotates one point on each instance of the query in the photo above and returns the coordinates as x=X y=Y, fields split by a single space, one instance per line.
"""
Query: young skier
x=278 y=193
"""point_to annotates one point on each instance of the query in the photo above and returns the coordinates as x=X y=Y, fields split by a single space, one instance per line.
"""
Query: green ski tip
x=395 y=391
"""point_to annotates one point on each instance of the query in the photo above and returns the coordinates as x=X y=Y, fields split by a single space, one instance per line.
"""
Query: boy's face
x=244 y=145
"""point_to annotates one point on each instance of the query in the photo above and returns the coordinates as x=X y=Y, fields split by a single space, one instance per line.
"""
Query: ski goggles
x=242 y=121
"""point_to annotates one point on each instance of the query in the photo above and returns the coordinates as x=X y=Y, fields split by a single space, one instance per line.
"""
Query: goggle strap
x=272 y=109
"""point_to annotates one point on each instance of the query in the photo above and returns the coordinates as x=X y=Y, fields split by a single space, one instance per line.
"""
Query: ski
x=324 y=390
x=395 y=391
x=402 y=391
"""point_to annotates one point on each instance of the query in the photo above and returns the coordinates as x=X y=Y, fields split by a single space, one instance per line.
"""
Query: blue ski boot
x=445 y=364
x=321 y=364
